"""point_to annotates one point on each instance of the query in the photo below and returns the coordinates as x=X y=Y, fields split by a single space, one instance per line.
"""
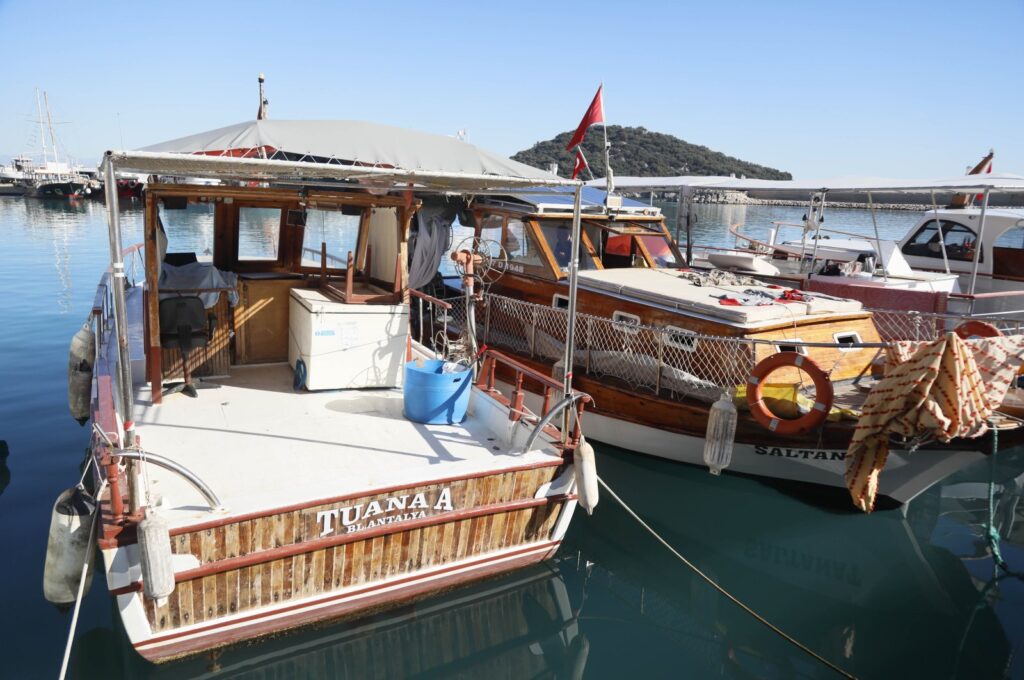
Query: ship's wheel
x=490 y=259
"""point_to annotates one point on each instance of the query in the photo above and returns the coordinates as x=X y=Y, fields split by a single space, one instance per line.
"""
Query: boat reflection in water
x=908 y=592
x=519 y=626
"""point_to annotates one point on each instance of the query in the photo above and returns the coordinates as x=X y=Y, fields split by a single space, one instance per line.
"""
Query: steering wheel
x=491 y=259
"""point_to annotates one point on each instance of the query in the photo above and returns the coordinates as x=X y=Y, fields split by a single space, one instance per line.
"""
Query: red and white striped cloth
x=947 y=387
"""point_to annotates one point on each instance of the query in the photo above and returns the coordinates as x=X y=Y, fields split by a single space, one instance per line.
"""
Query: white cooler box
x=346 y=345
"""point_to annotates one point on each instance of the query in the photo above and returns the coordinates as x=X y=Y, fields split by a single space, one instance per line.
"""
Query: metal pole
x=814 y=215
x=182 y=471
x=684 y=219
x=120 y=315
x=574 y=268
x=878 y=241
x=978 y=244
x=609 y=181
x=938 y=231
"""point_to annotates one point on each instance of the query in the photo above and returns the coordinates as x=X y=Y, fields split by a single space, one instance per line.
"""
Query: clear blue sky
x=902 y=89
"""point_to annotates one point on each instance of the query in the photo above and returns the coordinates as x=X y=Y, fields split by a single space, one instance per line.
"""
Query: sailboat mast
x=49 y=122
x=42 y=130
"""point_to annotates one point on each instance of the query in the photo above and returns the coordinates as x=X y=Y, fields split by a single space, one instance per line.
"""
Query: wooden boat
x=657 y=345
x=281 y=506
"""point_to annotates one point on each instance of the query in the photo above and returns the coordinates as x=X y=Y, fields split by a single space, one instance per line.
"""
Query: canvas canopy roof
x=368 y=153
x=1000 y=182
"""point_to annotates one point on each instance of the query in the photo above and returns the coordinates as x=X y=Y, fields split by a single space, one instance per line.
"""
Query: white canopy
x=381 y=155
x=1001 y=182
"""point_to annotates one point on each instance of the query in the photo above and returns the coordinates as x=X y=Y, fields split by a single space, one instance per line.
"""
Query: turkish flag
x=594 y=114
x=580 y=163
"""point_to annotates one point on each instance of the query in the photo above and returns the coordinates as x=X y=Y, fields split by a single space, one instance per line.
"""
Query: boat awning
x=366 y=153
x=966 y=183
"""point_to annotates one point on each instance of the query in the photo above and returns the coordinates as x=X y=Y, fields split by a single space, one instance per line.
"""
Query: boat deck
x=259 y=444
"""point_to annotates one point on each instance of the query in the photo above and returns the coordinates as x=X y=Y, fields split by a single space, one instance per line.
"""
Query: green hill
x=640 y=152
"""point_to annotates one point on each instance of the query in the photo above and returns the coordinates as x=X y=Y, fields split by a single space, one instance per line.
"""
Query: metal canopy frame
x=378 y=180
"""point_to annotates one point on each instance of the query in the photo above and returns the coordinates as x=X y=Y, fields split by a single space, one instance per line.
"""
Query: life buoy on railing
x=977 y=329
x=823 y=394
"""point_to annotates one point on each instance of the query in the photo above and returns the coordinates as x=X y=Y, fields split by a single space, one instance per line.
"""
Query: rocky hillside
x=640 y=152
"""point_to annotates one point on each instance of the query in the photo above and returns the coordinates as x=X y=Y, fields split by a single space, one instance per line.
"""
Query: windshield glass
x=660 y=250
x=557 y=233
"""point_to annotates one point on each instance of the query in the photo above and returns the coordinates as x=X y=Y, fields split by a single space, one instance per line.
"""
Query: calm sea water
x=908 y=592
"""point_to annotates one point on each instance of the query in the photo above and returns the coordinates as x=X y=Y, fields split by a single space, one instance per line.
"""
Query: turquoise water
x=907 y=592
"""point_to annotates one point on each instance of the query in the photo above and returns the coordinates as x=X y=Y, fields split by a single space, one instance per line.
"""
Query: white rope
x=722 y=590
x=81 y=587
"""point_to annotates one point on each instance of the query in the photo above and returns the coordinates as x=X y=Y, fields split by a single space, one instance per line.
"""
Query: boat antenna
x=261 y=113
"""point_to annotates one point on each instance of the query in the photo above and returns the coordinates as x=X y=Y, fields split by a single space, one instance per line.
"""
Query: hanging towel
x=947 y=388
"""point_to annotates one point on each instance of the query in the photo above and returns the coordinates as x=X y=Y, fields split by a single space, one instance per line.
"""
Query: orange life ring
x=823 y=394
x=977 y=329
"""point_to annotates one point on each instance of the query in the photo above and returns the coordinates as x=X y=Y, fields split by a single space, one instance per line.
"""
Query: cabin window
x=558 y=235
x=559 y=301
x=519 y=245
x=1008 y=253
x=847 y=340
x=628 y=323
x=259 y=233
x=1012 y=238
x=787 y=347
x=680 y=338
x=189 y=231
x=660 y=250
x=339 y=229
x=959 y=242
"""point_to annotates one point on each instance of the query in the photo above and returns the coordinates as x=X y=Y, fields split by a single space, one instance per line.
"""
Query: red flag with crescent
x=580 y=163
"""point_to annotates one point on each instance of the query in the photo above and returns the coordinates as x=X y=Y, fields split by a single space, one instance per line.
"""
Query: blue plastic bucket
x=433 y=397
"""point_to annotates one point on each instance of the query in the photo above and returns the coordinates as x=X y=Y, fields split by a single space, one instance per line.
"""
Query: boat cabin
x=534 y=231
x=1002 y=243
x=244 y=251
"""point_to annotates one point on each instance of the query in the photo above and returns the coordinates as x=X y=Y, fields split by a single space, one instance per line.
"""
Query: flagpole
x=609 y=183
x=574 y=267
x=579 y=150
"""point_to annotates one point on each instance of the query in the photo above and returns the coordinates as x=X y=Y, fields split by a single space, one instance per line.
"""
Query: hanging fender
x=823 y=394
x=977 y=329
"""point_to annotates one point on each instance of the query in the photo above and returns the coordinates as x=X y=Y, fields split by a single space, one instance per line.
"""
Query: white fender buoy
x=585 y=470
x=720 y=435
x=80 y=360
x=155 y=556
x=69 y=546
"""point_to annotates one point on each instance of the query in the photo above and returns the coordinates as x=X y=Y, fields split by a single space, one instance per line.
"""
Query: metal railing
x=673 y=360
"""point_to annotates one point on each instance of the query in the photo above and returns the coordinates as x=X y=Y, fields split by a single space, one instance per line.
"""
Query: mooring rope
x=81 y=588
x=992 y=533
x=807 y=650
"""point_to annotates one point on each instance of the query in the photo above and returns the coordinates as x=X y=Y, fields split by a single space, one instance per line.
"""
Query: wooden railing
x=520 y=372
